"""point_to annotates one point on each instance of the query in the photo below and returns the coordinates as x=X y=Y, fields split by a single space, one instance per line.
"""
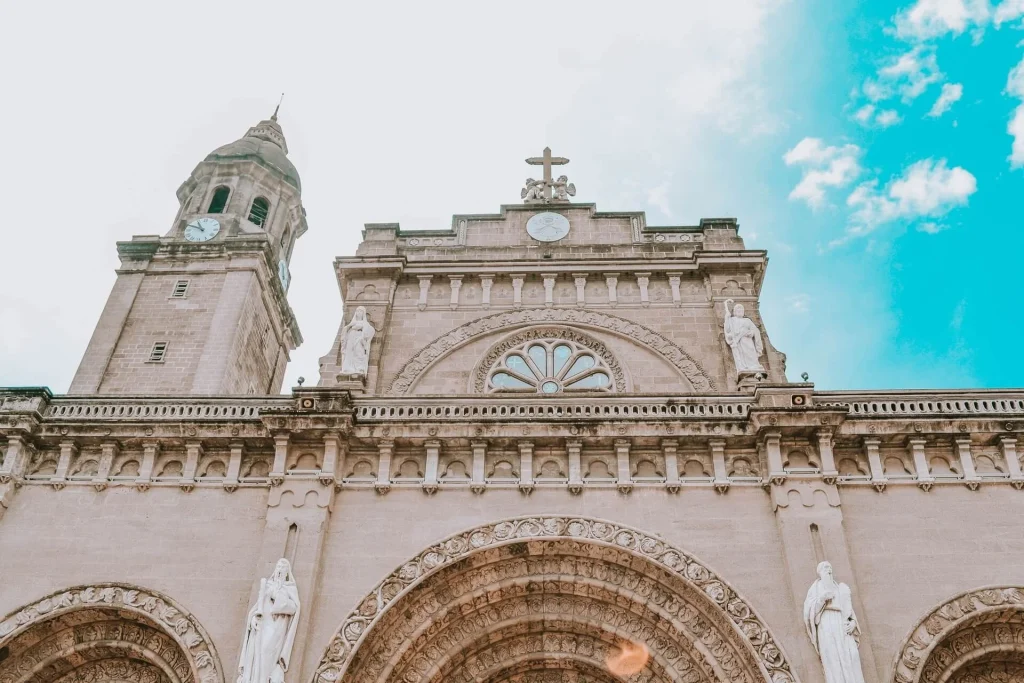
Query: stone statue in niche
x=355 y=344
x=832 y=627
x=270 y=628
x=743 y=337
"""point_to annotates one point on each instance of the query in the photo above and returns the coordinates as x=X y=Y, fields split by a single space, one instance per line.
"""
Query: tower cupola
x=245 y=187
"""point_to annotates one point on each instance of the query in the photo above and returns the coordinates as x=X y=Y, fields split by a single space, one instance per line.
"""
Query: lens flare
x=629 y=659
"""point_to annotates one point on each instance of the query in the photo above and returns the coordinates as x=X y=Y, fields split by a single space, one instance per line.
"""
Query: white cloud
x=911 y=73
x=931 y=227
x=888 y=117
x=799 y=303
x=824 y=167
x=951 y=93
x=934 y=18
x=1008 y=10
x=864 y=114
x=927 y=188
x=908 y=75
x=658 y=197
x=1015 y=87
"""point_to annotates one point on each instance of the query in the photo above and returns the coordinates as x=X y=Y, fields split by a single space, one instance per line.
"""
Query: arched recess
x=108 y=632
x=550 y=598
x=508 y=320
x=976 y=637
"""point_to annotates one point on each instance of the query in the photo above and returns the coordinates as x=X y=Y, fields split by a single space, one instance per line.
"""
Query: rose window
x=549 y=366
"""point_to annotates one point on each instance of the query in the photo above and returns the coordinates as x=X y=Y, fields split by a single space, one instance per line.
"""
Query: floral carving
x=930 y=643
x=721 y=603
x=185 y=630
x=425 y=357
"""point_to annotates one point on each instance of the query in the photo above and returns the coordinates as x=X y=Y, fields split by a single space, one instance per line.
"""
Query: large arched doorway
x=107 y=633
x=552 y=599
x=977 y=637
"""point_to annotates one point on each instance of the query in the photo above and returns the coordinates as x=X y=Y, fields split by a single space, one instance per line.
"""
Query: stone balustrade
x=877 y=439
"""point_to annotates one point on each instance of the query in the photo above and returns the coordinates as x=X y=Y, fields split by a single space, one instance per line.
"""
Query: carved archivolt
x=465 y=601
x=959 y=627
x=428 y=355
x=166 y=636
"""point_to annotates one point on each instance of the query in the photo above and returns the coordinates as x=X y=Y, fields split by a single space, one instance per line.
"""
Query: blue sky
x=865 y=145
x=911 y=233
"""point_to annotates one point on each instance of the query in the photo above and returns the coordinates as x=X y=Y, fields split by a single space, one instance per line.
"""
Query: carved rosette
x=923 y=657
x=747 y=624
x=178 y=624
x=425 y=357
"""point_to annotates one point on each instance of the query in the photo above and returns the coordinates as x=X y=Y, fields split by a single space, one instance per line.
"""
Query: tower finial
x=277 y=108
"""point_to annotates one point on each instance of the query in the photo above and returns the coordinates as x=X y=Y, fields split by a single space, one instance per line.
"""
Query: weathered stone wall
x=910 y=549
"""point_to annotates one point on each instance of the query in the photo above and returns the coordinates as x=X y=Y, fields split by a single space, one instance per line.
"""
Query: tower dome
x=264 y=143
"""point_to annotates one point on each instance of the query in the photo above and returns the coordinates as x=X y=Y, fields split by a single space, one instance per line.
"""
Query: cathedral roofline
x=505 y=209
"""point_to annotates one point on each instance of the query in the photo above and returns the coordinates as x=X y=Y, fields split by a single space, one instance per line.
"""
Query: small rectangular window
x=158 y=352
x=180 y=289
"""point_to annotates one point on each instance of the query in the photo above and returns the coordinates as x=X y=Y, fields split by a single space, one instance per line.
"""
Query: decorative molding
x=748 y=625
x=441 y=346
x=184 y=628
x=916 y=650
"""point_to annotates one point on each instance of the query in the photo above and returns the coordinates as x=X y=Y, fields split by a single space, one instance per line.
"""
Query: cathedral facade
x=547 y=445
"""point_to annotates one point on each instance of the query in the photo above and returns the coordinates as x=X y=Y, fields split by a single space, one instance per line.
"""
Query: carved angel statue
x=355 y=344
x=832 y=627
x=534 y=190
x=563 y=189
x=270 y=628
x=743 y=337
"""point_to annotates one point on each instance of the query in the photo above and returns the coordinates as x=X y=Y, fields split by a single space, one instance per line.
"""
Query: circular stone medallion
x=548 y=226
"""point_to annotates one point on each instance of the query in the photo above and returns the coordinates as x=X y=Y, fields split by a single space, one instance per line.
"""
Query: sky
x=874 y=149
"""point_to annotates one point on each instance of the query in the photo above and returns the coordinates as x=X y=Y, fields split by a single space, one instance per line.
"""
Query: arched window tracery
x=549 y=366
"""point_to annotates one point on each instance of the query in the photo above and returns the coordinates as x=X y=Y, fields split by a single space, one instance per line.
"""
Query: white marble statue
x=355 y=344
x=832 y=627
x=270 y=629
x=534 y=190
x=743 y=337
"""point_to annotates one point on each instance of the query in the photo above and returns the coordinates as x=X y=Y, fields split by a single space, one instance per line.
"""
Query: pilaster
x=809 y=518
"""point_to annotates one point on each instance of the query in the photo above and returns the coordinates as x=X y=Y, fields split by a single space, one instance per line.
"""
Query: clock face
x=547 y=226
x=283 y=274
x=202 y=229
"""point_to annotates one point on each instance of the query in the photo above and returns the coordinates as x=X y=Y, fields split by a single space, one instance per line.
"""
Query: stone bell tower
x=203 y=309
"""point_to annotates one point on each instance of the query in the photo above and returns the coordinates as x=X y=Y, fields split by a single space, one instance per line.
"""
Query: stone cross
x=547 y=161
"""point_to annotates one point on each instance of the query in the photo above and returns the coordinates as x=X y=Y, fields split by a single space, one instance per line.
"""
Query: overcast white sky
x=404 y=112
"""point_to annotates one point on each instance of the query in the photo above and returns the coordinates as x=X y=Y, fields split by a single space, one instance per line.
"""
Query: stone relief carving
x=41 y=656
x=356 y=337
x=425 y=357
x=832 y=627
x=116 y=671
x=743 y=337
x=730 y=607
x=270 y=628
x=190 y=637
x=932 y=632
